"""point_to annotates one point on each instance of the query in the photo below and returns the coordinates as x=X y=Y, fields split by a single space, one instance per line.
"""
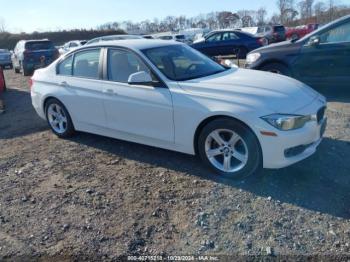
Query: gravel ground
x=96 y=197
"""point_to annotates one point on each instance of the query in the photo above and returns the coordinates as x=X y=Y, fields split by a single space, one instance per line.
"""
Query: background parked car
x=298 y=32
x=32 y=54
x=228 y=42
x=5 y=59
x=178 y=38
x=71 y=45
x=272 y=33
x=319 y=59
x=112 y=38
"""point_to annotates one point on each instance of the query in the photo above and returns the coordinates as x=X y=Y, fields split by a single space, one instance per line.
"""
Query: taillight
x=30 y=81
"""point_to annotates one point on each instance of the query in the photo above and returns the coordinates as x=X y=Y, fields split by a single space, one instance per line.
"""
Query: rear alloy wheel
x=58 y=118
x=277 y=68
x=230 y=148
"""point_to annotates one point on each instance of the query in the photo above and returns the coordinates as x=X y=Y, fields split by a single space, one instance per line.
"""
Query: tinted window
x=337 y=35
x=214 y=38
x=229 y=36
x=65 y=67
x=180 y=62
x=86 y=64
x=39 y=45
x=279 y=28
x=166 y=37
x=180 y=37
x=121 y=64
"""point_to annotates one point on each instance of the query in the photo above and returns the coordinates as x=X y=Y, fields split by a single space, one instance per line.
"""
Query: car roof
x=137 y=44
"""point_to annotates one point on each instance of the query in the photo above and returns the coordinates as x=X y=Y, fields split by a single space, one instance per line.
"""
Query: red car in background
x=300 y=31
x=2 y=81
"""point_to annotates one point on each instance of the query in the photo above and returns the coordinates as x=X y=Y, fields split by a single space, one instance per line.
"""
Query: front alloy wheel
x=230 y=148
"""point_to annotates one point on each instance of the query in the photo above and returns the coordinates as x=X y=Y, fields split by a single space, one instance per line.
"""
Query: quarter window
x=65 y=67
x=86 y=64
x=122 y=64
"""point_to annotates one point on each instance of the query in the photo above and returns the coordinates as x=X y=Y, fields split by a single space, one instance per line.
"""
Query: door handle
x=109 y=92
x=64 y=84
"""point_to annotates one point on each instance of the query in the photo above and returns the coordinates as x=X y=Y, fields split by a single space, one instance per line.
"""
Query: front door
x=140 y=110
x=326 y=63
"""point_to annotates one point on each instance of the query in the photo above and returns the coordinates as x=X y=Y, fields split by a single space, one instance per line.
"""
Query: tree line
x=9 y=40
x=290 y=13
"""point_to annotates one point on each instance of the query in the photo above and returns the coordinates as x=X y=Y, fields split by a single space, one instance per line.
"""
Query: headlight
x=287 y=122
x=251 y=58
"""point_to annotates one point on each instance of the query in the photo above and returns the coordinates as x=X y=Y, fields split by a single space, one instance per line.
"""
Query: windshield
x=181 y=63
x=39 y=45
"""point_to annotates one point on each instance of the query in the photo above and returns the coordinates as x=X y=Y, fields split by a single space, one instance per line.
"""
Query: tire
x=277 y=68
x=247 y=146
x=25 y=72
x=68 y=127
x=17 y=71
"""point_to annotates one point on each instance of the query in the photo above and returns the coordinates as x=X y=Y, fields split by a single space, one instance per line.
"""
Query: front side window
x=180 y=62
x=65 y=67
x=214 y=38
x=86 y=64
x=122 y=64
x=337 y=35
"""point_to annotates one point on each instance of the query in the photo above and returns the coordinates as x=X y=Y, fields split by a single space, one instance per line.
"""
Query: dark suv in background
x=320 y=59
x=32 y=54
x=272 y=33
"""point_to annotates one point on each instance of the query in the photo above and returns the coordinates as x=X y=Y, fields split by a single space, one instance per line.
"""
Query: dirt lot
x=96 y=197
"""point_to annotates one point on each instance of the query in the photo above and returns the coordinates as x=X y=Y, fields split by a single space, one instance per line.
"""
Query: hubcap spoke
x=216 y=136
x=239 y=156
x=234 y=139
x=227 y=163
x=214 y=152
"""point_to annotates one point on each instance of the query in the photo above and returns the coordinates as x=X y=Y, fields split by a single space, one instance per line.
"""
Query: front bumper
x=290 y=147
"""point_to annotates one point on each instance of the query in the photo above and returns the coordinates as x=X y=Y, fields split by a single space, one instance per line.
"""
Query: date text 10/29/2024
x=172 y=258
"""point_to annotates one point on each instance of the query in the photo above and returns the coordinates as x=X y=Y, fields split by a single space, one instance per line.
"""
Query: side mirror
x=140 y=78
x=314 y=41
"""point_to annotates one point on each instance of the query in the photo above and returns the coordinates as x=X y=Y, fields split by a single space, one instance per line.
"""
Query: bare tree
x=2 y=25
x=261 y=16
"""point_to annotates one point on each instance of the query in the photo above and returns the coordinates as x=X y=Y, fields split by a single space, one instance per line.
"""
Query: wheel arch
x=209 y=119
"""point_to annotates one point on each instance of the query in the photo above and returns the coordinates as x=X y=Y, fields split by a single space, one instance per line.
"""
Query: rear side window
x=86 y=64
x=214 y=38
x=65 y=67
x=38 y=45
x=280 y=29
x=229 y=36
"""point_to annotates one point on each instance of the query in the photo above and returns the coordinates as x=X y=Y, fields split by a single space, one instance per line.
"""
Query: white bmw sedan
x=168 y=95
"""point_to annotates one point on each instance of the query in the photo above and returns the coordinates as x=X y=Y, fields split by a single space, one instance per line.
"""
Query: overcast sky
x=41 y=15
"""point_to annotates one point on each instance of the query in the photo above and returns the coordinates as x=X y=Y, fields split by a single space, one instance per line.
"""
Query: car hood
x=254 y=89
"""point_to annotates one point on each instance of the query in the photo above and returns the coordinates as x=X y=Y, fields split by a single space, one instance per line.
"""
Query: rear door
x=80 y=76
x=328 y=63
x=230 y=43
x=136 y=110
